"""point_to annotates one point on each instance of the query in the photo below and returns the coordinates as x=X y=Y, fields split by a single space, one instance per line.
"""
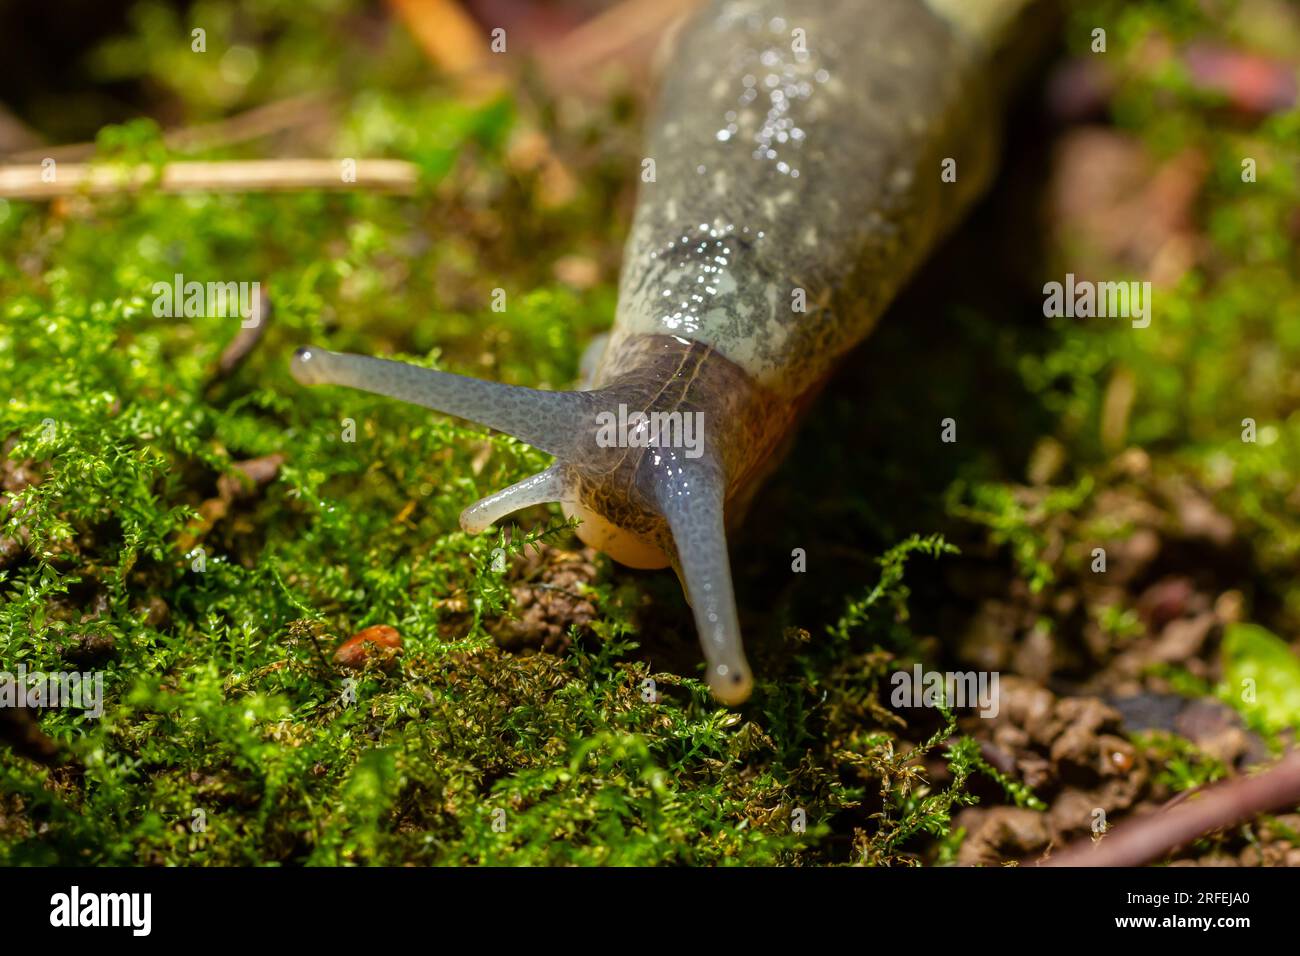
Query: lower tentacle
x=542 y=488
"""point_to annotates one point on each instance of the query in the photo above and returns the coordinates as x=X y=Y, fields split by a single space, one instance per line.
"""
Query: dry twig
x=1225 y=804
x=265 y=175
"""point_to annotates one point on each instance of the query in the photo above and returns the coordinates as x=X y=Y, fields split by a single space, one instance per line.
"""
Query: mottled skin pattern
x=816 y=170
x=797 y=150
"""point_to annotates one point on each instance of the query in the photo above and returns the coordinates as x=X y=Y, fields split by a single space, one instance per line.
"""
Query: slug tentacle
x=690 y=494
x=546 y=420
x=547 y=486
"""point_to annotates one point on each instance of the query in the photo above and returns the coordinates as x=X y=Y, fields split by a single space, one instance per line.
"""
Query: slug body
x=799 y=152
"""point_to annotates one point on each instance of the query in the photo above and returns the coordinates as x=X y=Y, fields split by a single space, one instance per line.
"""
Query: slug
x=807 y=156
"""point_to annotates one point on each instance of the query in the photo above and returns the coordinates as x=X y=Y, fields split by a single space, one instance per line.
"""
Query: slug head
x=647 y=462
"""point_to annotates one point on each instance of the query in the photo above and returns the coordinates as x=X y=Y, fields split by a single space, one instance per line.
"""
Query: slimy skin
x=816 y=169
x=798 y=148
